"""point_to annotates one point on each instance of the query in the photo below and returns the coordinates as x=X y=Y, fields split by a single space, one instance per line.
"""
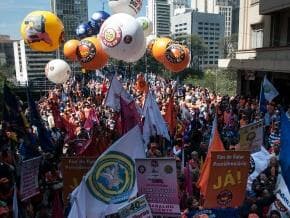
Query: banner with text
x=156 y=178
x=29 y=178
x=73 y=169
x=228 y=179
x=251 y=137
x=136 y=208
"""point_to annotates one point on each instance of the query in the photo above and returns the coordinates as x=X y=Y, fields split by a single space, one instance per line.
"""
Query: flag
x=154 y=123
x=92 y=118
x=270 y=92
x=35 y=119
x=215 y=145
x=170 y=116
x=278 y=207
x=15 y=203
x=111 y=182
x=285 y=149
x=259 y=162
x=58 y=120
x=116 y=90
x=129 y=115
x=282 y=192
x=263 y=101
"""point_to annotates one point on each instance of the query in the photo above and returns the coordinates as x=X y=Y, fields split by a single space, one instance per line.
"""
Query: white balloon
x=57 y=71
x=121 y=36
x=138 y=55
x=131 y=7
x=146 y=25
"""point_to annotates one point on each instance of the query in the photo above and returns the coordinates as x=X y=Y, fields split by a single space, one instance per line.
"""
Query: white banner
x=20 y=62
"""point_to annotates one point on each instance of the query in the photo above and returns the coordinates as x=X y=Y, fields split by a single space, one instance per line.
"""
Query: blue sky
x=12 y=12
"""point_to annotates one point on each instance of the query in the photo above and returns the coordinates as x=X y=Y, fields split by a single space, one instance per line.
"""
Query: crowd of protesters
x=73 y=114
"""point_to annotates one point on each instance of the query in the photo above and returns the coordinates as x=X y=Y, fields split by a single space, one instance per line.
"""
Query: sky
x=12 y=12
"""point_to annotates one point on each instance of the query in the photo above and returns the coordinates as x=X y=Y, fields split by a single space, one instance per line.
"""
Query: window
x=210 y=62
x=257 y=36
x=275 y=30
x=288 y=32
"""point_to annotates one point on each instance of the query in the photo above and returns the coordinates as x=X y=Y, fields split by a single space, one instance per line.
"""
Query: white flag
x=154 y=123
x=282 y=192
x=259 y=162
x=278 y=207
x=116 y=90
x=270 y=92
x=15 y=203
x=111 y=182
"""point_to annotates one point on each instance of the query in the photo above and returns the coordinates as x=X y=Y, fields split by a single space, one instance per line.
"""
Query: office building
x=158 y=11
x=208 y=27
x=263 y=48
x=6 y=51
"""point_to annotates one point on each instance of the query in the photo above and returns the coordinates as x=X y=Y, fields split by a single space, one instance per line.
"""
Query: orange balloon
x=70 y=49
x=90 y=53
x=177 y=58
x=159 y=48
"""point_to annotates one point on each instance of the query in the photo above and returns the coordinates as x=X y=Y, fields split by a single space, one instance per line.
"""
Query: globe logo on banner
x=113 y=178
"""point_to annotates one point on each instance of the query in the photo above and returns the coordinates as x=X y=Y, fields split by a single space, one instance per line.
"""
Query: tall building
x=208 y=27
x=263 y=48
x=158 y=11
x=6 y=50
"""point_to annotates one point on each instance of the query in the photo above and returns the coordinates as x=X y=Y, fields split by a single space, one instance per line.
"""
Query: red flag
x=170 y=116
x=57 y=207
x=70 y=129
x=92 y=118
x=215 y=145
x=56 y=116
x=129 y=115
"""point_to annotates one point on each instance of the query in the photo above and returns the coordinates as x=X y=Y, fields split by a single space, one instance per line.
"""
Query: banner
x=156 y=178
x=136 y=208
x=227 y=179
x=215 y=213
x=251 y=137
x=29 y=178
x=73 y=169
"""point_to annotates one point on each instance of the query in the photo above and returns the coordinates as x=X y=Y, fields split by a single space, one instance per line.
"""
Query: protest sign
x=29 y=178
x=251 y=137
x=136 y=208
x=228 y=179
x=156 y=178
x=73 y=169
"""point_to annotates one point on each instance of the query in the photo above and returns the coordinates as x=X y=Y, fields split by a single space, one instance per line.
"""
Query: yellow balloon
x=42 y=31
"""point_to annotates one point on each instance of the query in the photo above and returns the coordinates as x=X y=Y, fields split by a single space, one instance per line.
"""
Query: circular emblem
x=141 y=169
x=251 y=136
x=168 y=169
x=112 y=179
x=278 y=204
x=128 y=39
x=111 y=36
x=175 y=53
x=86 y=51
x=224 y=198
x=252 y=165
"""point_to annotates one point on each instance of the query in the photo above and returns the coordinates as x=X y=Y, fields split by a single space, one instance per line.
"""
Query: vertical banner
x=156 y=178
x=251 y=137
x=136 y=208
x=73 y=169
x=228 y=179
x=29 y=170
x=20 y=62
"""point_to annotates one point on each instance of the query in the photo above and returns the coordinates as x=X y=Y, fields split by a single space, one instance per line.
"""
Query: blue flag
x=35 y=119
x=263 y=101
x=285 y=149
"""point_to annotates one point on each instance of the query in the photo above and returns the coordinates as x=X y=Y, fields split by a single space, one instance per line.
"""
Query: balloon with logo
x=42 y=31
x=138 y=55
x=91 y=54
x=131 y=7
x=57 y=71
x=97 y=19
x=84 y=30
x=121 y=36
x=70 y=49
x=177 y=57
x=150 y=40
x=159 y=48
x=146 y=25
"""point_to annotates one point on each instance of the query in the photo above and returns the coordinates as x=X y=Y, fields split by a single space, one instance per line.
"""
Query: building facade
x=159 y=11
x=264 y=46
x=6 y=51
x=208 y=27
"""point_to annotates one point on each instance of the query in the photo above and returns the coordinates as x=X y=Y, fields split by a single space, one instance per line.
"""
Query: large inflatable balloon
x=177 y=57
x=146 y=25
x=131 y=7
x=159 y=48
x=42 y=31
x=122 y=37
x=91 y=54
x=150 y=40
x=138 y=55
x=97 y=19
x=57 y=71
x=84 y=30
x=70 y=49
